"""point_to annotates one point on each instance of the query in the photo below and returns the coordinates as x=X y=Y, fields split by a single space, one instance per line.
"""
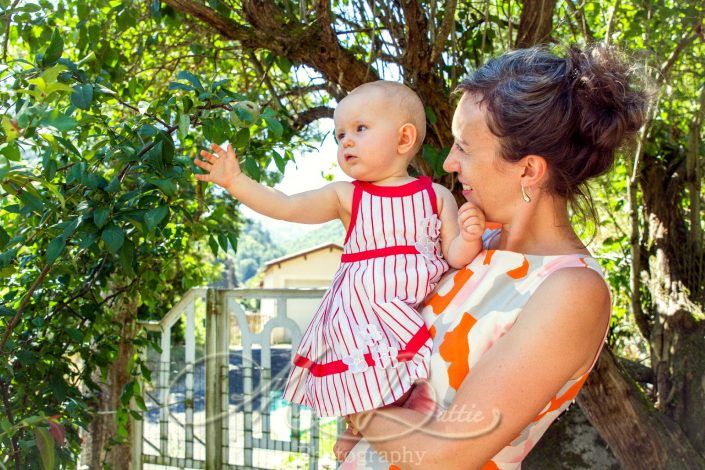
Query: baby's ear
x=407 y=138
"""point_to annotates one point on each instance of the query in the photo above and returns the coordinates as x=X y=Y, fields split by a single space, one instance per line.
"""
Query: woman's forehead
x=469 y=121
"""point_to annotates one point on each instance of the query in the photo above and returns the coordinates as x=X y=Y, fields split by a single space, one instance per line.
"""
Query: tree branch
x=305 y=118
x=442 y=35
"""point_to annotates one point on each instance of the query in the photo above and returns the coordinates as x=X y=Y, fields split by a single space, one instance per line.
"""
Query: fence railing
x=215 y=398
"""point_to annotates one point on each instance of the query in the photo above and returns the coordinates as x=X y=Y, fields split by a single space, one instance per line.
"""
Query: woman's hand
x=472 y=222
x=223 y=169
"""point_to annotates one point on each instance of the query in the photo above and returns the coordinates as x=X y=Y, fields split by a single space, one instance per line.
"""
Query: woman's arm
x=553 y=340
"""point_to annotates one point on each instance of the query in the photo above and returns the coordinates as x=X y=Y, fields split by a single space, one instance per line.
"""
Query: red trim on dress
x=378 y=253
x=357 y=196
x=431 y=194
x=337 y=367
x=404 y=190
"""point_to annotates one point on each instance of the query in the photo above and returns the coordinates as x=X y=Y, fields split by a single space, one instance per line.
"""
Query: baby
x=367 y=344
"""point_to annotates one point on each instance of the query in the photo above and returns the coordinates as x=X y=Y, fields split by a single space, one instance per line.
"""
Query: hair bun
x=607 y=107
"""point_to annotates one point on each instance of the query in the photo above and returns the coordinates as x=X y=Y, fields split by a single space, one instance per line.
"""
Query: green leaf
x=154 y=216
x=114 y=237
x=127 y=254
x=82 y=96
x=242 y=138
x=32 y=201
x=223 y=241
x=191 y=78
x=4 y=238
x=213 y=245
x=179 y=86
x=167 y=185
x=275 y=126
x=55 y=248
x=251 y=168
x=233 y=240
x=100 y=216
x=430 y=115
x=60 y=121
x=279 y=161
x=12 y=152
x=45 y=445
x=55 y=49
x=184 y=123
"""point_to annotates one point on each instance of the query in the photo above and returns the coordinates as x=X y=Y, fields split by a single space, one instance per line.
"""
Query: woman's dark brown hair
x=575 y=111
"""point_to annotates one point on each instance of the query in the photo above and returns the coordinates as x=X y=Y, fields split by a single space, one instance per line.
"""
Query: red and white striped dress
x=367 y=344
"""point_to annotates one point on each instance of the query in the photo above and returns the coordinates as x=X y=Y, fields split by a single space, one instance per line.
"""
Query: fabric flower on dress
x=368 y=333
x=355 y=361
x=429 y=230
x=385 y=356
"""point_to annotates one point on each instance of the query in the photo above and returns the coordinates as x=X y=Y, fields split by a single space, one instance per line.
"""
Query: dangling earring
x=524 y=196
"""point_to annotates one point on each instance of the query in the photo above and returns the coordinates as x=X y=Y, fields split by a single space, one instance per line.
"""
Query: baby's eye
x=361 y=127
x=340 y=136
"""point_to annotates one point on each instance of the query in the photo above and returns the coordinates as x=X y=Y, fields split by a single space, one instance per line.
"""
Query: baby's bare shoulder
x=444 y=196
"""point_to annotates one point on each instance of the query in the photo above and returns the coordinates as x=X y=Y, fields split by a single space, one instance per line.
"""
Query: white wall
x=314 y=269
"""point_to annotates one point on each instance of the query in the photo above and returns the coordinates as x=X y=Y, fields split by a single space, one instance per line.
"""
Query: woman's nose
x=449 y=164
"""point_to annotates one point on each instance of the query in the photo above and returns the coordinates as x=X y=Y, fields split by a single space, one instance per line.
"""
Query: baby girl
x=367 y=344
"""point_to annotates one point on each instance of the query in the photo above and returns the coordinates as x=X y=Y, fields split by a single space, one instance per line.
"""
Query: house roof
x=299 y=254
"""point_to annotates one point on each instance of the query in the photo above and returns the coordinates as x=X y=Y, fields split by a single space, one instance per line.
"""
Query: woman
x=518 y=330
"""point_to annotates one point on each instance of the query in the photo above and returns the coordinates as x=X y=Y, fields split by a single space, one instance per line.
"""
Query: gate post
x=214 y=415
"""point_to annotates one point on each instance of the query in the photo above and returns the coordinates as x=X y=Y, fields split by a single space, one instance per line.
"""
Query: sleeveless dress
x=367 y=343
x=470 y=310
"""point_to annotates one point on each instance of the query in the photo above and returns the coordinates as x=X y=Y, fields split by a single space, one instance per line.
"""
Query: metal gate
x=213 y=394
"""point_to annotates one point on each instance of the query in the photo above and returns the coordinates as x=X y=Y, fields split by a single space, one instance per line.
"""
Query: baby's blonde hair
x=410 y=105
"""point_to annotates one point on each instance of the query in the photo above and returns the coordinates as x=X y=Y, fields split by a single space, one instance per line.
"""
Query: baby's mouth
x=349 y=157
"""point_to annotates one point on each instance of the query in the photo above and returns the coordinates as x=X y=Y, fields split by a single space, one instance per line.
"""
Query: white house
x=314 y=267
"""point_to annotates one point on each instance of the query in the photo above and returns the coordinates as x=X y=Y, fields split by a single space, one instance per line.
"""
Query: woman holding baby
x=517 y=331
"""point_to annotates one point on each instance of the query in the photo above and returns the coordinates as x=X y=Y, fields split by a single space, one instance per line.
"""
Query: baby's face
x=367 y=130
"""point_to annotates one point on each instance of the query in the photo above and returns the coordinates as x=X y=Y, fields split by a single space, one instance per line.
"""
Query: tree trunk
x=638 y=434
x=571 y=442
x=97 y=445
x=676 y=284
x=536 y=22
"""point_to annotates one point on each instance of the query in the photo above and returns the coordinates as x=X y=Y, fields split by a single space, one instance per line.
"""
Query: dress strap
x=357 y=196
x=428 y=186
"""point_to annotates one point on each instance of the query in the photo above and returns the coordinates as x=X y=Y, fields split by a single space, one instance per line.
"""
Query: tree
x=101 y=223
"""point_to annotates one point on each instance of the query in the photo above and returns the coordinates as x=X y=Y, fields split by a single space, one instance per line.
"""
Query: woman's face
x=489 y=182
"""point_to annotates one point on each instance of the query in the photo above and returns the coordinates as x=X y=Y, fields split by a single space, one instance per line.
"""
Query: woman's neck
x=541 y=227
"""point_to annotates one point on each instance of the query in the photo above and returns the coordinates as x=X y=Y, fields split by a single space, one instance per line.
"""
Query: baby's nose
x=348 y=142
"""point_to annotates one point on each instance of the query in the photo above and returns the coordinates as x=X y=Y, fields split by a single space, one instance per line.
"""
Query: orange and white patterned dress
x=469 y=310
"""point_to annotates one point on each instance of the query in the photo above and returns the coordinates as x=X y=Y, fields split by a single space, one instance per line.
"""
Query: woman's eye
x=459 y=148
x=361 y=127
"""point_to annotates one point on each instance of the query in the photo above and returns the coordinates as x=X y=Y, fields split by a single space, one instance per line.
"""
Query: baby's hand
x=472 y=222
x=223 y=169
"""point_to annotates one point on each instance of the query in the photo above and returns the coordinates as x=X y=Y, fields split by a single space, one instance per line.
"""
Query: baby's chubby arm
x=461 y=230
x=309 y=207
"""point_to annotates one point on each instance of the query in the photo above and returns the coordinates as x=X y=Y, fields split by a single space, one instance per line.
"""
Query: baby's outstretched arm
x=309 y=207
x=461 y=229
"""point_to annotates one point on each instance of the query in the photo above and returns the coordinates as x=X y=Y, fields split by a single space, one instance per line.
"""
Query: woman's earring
x=524 y=196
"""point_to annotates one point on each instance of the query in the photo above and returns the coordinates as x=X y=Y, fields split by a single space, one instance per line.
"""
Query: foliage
x=100 y=204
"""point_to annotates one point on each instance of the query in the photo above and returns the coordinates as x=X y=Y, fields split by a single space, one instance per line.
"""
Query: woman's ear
x=407 y=138
x=535 y=171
